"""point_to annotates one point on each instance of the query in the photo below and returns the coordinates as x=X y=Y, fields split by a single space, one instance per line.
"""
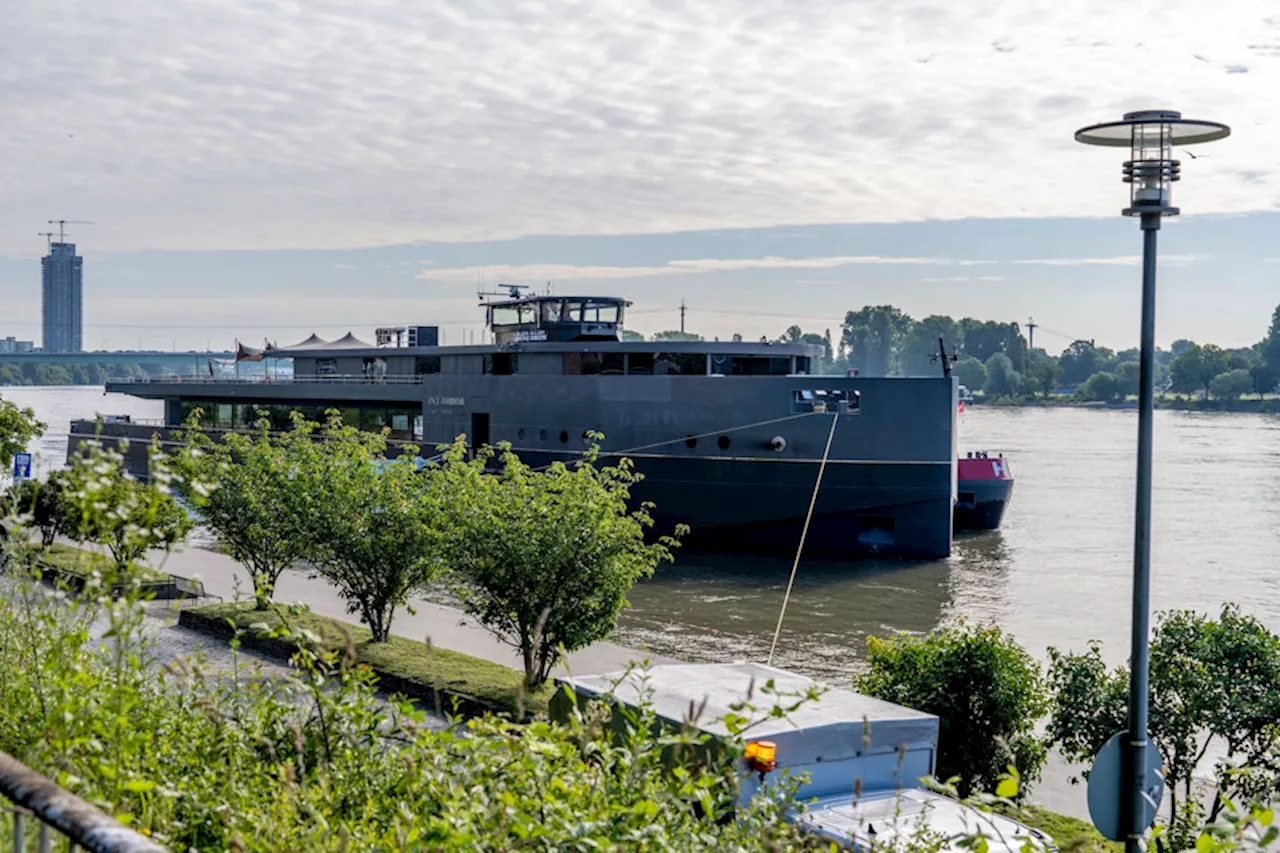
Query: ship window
x=424 y=364
x=501 y=363
x=691 y=442
x=326 y=366
x=551 y=312
x=723 y=442
x=564 y=436
x=542 y=435
x=572 y=312
x=640 y=363
x=802 y=364
x=680 y=363
x=600 y=313
x=750 y=365
x=592 y=363
x=520 y=435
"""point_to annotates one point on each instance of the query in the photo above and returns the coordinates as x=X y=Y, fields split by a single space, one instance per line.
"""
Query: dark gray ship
x=729 y=435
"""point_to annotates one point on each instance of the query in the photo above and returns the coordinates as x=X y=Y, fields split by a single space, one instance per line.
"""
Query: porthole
x=542 y=436
x=564 y=436
x=520 y=435
x=691 y=442
x=723 y=442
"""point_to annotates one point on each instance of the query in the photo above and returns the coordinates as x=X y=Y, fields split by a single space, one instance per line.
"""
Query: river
x=1056 y=574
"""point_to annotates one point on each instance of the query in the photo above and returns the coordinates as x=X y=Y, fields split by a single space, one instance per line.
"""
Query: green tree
x=1002 y=379
x=243 y=486
x=676 y=335
x=628 y=335
x=18 y=428
x=1180 y=346
x=545 y=558
x=985 y=689
x=872 y=337
x=43 y=501
x=796 y=335
x=1128 y=377
x=1211 y=680
x=1102 y=387
x=1264 y=379
x=985 y=338
x=971 y=373
x=1231 y=385
x=369 y=526
x=138 y=517
x=1271 y=343
x=1195 y=368
x=1082 y=359
x=1042 y=371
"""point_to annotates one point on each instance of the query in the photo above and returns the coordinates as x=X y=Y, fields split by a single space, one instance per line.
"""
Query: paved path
x=446 y=627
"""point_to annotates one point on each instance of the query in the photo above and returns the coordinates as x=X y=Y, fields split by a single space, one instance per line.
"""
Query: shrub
x=986 y=691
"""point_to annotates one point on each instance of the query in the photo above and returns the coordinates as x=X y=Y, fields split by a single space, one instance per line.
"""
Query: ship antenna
x=941 y=355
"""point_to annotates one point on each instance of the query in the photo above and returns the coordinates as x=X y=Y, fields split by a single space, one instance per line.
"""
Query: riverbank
x=1269 y=404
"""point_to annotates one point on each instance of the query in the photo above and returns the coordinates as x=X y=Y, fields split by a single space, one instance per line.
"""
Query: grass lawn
x=1072 y=835
x=82 y=562
x=431 y=666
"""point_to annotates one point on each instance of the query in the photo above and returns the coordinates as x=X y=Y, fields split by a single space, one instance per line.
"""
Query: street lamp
x=1150 y=136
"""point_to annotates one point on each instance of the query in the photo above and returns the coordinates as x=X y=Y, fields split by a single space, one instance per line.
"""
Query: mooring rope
x=813 y=500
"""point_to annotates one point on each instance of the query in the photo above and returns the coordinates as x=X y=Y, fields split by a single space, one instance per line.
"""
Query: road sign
x=1105 y=787
x=21 y=467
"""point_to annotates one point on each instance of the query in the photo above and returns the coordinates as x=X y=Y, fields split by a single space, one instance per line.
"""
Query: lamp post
x=1150 y=136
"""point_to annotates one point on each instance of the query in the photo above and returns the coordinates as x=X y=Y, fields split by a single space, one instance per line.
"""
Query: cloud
x=565 y=272
x=1120 y=260
x=215 y=124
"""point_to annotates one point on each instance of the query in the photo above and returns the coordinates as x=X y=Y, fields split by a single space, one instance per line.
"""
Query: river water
x=1056 y=574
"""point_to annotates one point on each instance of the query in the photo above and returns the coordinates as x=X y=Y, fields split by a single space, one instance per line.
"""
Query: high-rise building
x=62 y=298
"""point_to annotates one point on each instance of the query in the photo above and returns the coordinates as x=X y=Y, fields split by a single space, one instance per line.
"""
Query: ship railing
x=335 y=379
x=36 y=813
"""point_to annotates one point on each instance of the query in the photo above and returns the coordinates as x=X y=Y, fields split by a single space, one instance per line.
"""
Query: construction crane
x=62 y=226
x=48 y=239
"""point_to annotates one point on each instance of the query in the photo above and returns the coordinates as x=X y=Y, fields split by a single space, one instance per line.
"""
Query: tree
x=1195 y=368
x=1082 y=359
x=1210 y=680
x=970 y=373
x=1103 y=387
x=1271 y=343
x=545 y=558
x=872 y=336
x=676 y=335
x=1180 y=346
x=43 y=501
x=920 y=345
x=1002 y=379
x=108 y=507
x=244 y=489
x=1042 y=371
x=1128 y=377
x=18 y=428
x=985 y=689
x=1231 y=385
x=985 y=338
x=796 y=335
x=369 y=526
x=1264 y=379
x=628 y=335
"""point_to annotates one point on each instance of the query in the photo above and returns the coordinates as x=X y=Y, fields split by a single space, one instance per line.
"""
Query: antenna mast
x=48 y=235
x=1031 y=333
x=682 y=310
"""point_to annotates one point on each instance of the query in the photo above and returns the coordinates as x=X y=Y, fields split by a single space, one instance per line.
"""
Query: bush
x=986 y=691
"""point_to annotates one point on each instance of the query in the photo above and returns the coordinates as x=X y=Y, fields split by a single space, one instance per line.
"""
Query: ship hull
x=984 y=490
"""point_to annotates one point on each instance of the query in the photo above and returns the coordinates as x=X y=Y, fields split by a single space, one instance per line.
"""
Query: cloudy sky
x=267 y=167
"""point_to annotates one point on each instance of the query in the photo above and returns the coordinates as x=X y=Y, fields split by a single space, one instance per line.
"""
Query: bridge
x=192 y=359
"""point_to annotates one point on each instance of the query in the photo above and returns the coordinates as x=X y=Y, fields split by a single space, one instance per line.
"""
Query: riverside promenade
x=445 y=627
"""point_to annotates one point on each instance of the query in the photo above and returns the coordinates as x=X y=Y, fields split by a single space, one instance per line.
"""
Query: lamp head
x=1150 y=136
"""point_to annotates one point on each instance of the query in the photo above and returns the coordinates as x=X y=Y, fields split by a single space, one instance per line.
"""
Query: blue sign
x=1105 y=780
x=21 y=466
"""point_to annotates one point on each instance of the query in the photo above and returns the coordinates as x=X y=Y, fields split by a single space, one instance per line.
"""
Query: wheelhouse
x=556 y=318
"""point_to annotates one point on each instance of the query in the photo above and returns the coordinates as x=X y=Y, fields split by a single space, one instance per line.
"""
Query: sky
x=269 y=168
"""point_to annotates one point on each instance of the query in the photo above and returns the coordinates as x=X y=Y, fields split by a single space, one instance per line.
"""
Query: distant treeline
x=28 y=373
x=993 y=359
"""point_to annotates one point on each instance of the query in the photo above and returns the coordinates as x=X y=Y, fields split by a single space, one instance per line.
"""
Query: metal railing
x=336 y=379
x=29 y=800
